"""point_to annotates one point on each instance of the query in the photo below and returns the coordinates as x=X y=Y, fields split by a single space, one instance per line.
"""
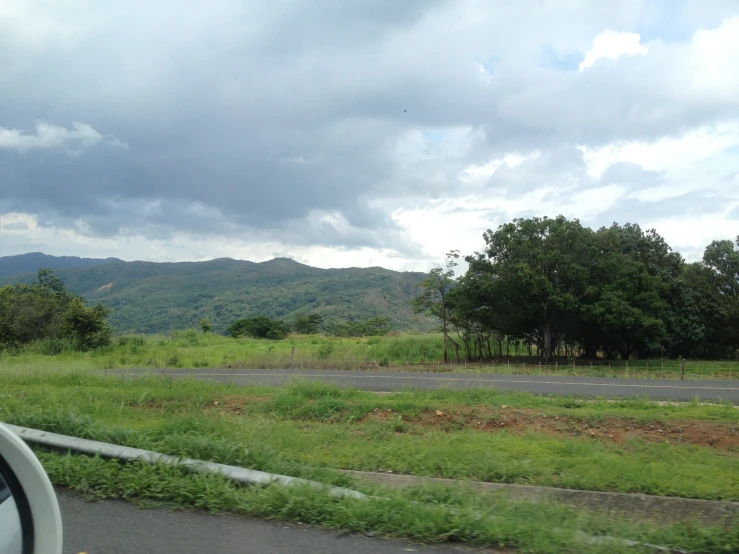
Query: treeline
x=262 y=327
x=45 y=310
x=615 y=292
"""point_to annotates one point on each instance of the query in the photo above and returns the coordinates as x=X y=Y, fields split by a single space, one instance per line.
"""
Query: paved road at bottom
x=116 y=527
x=662 y=389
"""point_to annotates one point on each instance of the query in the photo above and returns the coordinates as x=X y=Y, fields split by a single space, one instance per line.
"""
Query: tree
x=205 y=325
x=309 y=324
x=258 y=327
x=434 y=292
x=721 y=260
x=86 y=326
x=539 y=271
x=627 y=298
x=372 y=327
x=45 y=310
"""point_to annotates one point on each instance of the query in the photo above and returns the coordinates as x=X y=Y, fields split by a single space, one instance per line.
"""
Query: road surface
x=707 y=391
x=116 y=527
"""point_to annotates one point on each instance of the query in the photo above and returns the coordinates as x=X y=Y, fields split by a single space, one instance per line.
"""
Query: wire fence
x=628 y=369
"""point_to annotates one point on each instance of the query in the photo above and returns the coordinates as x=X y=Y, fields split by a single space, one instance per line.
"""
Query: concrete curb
x=239 y=474
x=658 y=509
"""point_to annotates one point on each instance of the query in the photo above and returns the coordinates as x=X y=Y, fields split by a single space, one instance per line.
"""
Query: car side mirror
x=30 y=521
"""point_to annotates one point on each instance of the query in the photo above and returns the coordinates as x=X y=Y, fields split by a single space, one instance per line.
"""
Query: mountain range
x=154 y=297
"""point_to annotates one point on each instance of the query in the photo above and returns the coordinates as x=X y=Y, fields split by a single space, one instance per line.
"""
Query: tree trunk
x=455 y=344
x=546 y=351
x=444 y=329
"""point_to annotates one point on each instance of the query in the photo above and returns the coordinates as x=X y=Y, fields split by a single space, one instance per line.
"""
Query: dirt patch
x=609 y=429
x=234 y=405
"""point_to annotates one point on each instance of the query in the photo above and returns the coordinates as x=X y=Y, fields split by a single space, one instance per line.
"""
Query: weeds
x=190 y=348
x=317 y=427
x=427 y=515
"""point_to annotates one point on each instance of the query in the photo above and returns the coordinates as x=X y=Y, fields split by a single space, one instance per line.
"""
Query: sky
x=361 y=133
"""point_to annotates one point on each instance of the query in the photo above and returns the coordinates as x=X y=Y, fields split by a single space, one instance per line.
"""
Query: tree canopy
x=258 y=327
x=46 y=310
x=617 y=291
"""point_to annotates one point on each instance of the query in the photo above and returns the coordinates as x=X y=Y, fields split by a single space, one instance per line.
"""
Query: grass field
x=685 y=450
x=312 y=430
x=414 y=352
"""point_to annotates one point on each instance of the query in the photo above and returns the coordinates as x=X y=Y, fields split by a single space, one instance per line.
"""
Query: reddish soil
x=722 y=436
x=610 y=429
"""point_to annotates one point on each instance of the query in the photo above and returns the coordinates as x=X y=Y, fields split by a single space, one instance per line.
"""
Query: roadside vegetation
x=431 y=515
x=396 y=352
x=314 y=431
x=686 y=450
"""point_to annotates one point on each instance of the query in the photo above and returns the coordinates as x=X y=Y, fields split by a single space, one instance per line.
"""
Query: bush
x=308 y=324
x=53 y=346
x=374 y=326
x=325 y=350
x=259 y=327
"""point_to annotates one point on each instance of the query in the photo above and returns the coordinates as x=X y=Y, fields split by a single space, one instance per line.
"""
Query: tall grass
x=308 y=428
x=428 y=515
x=193 y=349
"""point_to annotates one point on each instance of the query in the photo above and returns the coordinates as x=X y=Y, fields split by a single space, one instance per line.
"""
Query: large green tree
x=721 y=259
x=540 y=267
x=628 y=296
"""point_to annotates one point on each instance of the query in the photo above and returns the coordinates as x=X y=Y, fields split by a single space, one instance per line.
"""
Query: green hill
x=149 y=297
x=22 y=263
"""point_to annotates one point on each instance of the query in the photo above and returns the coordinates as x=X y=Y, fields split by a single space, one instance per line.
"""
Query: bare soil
x=609 y=429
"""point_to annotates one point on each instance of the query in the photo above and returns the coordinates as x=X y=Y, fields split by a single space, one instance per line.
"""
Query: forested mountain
x=149 y=297
x=23 y=263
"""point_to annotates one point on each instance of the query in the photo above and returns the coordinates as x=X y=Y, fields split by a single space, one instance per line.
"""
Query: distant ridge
x=152 y=297
x=33 y=261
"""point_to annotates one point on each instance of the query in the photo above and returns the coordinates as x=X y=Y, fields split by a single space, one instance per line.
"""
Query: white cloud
x=713 y=59
x=486 y=170
x=593 y=201
x=81 y=136
x=669 y=154
x=612 y=45
x=691 y=235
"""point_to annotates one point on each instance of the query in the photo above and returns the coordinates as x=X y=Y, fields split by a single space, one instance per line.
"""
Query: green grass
x=426 y=515
x=193 y=349
x=310 y=429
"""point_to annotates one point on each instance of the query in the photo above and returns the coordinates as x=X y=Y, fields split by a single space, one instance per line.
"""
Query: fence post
x=682 y=375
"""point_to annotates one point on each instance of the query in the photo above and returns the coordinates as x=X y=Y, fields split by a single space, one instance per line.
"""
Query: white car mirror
x=30 y=521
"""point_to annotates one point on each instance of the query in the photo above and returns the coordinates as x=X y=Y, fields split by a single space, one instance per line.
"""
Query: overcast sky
x=361 y=132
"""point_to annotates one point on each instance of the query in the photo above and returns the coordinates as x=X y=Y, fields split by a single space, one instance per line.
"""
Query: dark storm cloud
x=283 y=120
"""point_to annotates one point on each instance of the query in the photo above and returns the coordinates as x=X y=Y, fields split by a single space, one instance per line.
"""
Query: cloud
x=612 y=45
x=49 y=136
x=324 y=127
x=668 y=153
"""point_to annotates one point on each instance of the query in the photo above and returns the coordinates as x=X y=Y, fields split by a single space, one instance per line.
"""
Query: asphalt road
x=708 y=391
x=116 y=527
